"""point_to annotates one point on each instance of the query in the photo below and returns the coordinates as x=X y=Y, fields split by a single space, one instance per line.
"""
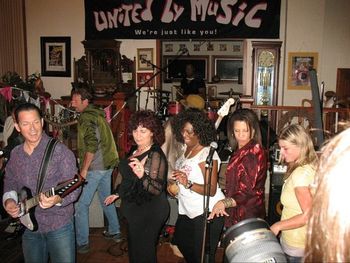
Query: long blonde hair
x=297 y=135
x=328 y=234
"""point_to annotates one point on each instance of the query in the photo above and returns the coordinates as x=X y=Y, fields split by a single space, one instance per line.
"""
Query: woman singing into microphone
x=193 y=129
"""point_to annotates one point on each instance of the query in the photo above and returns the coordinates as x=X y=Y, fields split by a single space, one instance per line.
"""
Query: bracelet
x=228 y=202
x=189 y=184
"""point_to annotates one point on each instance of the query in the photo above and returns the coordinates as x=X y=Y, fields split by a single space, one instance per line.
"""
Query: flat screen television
x=176 y=68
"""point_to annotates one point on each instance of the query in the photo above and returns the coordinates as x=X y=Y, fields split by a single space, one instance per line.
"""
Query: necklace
x=141 y=150
x=190 y=152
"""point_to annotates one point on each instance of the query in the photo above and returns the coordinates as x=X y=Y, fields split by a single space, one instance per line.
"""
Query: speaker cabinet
x=276 y=183
x=275 y=206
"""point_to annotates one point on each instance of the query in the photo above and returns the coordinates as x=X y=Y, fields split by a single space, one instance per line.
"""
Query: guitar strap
x=44 y=164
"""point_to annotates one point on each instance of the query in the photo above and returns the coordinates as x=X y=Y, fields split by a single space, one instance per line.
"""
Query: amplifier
x=276 y=183
x=275 y=206
x=278 y=171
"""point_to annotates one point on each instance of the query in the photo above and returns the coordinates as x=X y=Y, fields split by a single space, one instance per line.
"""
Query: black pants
x=189 y=235
x=144 y=224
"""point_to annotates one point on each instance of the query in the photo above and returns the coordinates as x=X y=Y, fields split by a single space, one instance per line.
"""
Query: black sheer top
x=153 y=183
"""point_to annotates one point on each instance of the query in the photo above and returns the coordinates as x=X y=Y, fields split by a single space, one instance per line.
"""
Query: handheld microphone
x=213 y=147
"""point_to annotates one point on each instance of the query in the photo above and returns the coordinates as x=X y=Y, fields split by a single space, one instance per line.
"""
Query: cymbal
x=215 y=99
x=228 y=93
x=158 y=91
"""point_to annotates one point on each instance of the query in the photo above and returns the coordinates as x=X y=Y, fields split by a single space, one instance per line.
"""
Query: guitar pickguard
x=27 y=221
x=27 y=217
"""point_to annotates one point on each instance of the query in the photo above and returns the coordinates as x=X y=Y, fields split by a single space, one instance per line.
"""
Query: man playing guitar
x=54 y=237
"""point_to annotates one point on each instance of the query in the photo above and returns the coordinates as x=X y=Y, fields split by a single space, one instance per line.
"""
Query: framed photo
x=210 y=47
x=55 y=56
x=236 y=48
x=196 y=47
x=169 y=48
x=228 y=68
x=182 y=47
x=143 y=79
x=223 y=47
x=144 y=56
x=299 y=64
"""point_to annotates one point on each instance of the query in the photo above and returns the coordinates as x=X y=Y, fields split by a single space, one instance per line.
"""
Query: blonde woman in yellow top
x=297 y=150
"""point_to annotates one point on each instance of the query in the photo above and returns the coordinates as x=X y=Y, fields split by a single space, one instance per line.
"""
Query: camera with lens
x=251 y=240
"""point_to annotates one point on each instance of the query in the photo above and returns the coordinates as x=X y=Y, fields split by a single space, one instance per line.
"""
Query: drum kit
x=166 y=108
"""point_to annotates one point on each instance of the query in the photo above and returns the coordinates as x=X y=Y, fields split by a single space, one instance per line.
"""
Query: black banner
x=186 y=19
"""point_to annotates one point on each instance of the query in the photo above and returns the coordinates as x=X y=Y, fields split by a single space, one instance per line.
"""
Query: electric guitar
x=28 y=202
x=223 y=111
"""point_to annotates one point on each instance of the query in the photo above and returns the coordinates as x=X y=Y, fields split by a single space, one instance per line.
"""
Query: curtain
x=12 y=38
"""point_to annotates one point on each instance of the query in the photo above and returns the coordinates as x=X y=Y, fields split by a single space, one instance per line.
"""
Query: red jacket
x=245 y=183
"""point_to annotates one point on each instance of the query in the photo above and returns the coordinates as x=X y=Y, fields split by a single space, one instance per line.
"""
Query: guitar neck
x=34 y=201
x=62 y=190
x=223 y=111
x=218 y=121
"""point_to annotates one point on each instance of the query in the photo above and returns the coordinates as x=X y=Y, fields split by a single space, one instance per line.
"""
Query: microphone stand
x=138 y=102
x=205 y=252
x=153 y=66
x=160 y=70
x=147 y=97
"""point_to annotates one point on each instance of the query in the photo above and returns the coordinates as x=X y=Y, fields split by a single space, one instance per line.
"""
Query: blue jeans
x=100 y=181
x=58 y=244
x=291 y=259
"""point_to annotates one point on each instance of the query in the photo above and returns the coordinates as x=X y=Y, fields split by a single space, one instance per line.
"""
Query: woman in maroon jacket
x=246 y=171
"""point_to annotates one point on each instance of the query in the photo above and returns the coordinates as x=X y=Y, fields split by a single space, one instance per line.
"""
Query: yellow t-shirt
x=301 y=176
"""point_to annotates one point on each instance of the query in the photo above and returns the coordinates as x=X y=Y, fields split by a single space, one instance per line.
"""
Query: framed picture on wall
x=169 y=47
x=144 y=58
x=228 y=69
x=55 y=56
x=299 y=64
x=144 y=79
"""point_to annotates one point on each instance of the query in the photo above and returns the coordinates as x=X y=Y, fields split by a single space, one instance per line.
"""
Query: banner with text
x=175 y=19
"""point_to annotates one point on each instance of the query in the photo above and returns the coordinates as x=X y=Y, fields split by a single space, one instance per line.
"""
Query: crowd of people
x=173 y=158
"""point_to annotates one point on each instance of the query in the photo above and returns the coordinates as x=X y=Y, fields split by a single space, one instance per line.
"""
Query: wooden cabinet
x=266 y=60
x=100 y=68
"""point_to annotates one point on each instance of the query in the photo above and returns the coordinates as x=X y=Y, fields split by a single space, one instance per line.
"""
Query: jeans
x=291 y=259
x=100 y=181
x=58 y=244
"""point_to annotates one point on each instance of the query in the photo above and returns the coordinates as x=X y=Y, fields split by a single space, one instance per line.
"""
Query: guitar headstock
x=69 y=186
x=223 y=111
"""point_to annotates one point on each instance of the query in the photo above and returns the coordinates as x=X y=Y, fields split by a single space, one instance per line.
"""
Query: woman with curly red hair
x=143 y=187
